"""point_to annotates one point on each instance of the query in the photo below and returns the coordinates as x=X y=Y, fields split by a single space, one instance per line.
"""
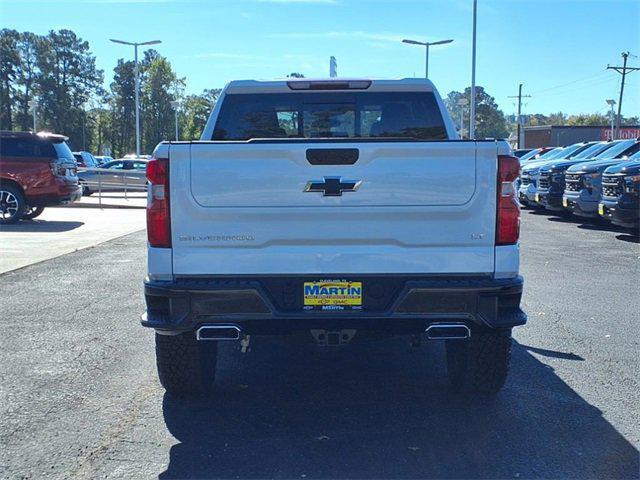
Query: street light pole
x=137 y=83
x=32 y=105
x=137 y=88
x=175 y=104
x=462 y=102
x=612 y=104
x=426 y=45
x=426 y=61
x=472 y=110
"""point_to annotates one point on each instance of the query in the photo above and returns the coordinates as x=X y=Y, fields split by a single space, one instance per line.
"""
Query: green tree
x=160 y=88
x=122 y=104
x=537 y=119
x=98 y=125
x=295 y=75
x=588 y=119
x=28 y=78
x=558 y=118
x=459 y=114
x=69 y=78
x=195 y=112
x=490 y=121
x=9 y=61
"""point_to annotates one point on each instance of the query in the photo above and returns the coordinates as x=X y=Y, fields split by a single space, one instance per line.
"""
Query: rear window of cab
x=384 y=115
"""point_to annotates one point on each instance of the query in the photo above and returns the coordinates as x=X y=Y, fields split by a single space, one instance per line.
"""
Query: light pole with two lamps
x=426 y=45
x=136 y=45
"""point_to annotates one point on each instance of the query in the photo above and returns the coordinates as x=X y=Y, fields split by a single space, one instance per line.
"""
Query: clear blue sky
x=559 y=49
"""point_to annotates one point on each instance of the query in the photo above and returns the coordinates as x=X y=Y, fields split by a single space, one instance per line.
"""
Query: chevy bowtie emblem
x=332 y=186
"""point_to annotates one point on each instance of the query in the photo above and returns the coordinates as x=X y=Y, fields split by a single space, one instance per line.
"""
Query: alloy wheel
x=8 y=205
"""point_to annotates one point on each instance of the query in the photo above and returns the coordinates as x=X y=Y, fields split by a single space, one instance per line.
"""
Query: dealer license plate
x=332 y=295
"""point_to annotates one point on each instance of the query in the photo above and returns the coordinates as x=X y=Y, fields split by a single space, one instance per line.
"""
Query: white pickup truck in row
x=336 y=209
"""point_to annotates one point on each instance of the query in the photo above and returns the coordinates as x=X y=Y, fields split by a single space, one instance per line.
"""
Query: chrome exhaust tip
x=218 y=332
x=448 y=331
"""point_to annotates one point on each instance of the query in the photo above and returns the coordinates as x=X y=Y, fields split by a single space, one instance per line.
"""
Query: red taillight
x=158 y=212
x=508 y=208
x=58 y=168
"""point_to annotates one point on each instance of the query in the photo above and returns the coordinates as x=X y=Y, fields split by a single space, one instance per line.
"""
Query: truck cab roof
x=318 y=84
x=255 y=110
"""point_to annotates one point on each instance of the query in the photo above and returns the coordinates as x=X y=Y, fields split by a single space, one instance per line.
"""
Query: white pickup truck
x=336 y=209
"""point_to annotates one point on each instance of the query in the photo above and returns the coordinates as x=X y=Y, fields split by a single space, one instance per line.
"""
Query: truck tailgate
x=420 y=207
x=274 y=175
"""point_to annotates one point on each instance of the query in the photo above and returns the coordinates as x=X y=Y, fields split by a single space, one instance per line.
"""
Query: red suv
x=36 y=171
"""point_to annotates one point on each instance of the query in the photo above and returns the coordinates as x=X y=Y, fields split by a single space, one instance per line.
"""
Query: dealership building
x=557 y=136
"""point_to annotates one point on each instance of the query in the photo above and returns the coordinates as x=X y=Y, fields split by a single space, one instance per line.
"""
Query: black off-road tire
x=32 y=212
x=186 y=367
x=481 y=363
x=12 y=204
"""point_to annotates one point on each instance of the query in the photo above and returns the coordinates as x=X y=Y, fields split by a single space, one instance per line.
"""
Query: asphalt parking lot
x=80 y=399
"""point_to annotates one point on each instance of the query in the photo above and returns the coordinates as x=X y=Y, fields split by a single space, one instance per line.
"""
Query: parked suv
x=621 y=193
x=583 y=181
x=36 y=170
x=528 y=186
x=534 y=154
x=85 y=160
x=324 y=208
x=551 y=182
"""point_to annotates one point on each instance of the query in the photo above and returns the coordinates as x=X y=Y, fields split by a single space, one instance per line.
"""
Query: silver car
x=115 y=176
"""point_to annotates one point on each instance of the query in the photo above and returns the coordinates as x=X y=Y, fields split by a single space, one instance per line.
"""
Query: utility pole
x=520 y=97
x=622 y=71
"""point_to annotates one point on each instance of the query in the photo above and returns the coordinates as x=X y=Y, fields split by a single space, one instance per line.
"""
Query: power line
x=576 y=88
x=570 y=83
x=622 y=71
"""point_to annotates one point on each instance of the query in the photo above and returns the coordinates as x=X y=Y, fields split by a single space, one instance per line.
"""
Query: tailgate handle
x=332 y=156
